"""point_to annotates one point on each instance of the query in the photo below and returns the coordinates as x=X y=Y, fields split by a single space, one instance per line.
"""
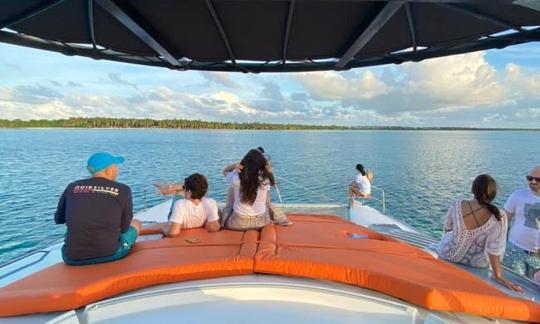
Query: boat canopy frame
x=215 y=35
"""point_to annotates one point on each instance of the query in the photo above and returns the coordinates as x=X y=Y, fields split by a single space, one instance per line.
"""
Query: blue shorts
x=127 y=240
x=522 y=262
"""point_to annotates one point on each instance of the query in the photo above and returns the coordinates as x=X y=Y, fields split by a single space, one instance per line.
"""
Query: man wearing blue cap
x=98 y=212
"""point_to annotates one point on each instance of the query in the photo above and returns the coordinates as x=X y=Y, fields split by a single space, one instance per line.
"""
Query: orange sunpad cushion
x=333 y=249
x=61 y=287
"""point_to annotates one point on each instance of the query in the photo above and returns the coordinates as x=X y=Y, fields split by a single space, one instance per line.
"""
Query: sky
x=496 y=88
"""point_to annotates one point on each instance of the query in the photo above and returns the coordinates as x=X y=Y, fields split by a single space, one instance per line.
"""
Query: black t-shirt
x=96 y=211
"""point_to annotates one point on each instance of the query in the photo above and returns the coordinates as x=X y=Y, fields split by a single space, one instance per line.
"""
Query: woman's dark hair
x=360 y=168
x=484 y=189
x=253 y=175
x=197 y=184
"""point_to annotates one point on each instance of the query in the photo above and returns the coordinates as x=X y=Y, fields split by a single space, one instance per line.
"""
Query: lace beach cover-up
x=471 y=246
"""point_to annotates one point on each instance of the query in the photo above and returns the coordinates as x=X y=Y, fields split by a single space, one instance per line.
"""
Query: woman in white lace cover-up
x=475 y=231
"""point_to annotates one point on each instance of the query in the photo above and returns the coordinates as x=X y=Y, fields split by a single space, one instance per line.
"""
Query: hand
x=167 y=189
x=239 y=167
x=160 y=187
x=509 y=284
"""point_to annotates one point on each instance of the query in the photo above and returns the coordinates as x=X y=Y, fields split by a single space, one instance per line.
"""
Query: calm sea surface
x=421 y=171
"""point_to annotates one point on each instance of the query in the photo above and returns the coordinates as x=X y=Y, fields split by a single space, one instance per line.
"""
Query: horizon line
x=149 y=123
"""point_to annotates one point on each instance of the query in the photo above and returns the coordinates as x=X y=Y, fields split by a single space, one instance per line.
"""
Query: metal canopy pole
x=412 y=25
x=221 y=30
x=90 y=16
x=29 y=14
x=130 y=24
x=382 y=18
x=481 y=16
x=287 y=31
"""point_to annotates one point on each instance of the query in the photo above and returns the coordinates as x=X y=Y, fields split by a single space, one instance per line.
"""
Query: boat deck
x=288 y=298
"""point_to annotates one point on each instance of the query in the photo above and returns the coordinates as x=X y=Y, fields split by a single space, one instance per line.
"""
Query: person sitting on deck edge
x=248 y=203
x=194 y=211
x=98 y=213
x=361 y=187
x=475 y=231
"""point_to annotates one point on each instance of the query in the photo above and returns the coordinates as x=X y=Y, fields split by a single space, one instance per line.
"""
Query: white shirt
x=525 y=229
x=471 y=246
x=364 y=186
x=259 y=205
x=189 y=215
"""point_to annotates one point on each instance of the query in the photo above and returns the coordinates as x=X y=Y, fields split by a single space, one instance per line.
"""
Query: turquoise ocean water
x=421 y=171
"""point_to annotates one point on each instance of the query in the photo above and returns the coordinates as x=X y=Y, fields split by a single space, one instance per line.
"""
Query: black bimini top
x=267 y=36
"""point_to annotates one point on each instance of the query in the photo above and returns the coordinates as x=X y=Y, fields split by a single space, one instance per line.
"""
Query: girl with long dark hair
x=361 y=187
x=250 y=183
x=475 y=231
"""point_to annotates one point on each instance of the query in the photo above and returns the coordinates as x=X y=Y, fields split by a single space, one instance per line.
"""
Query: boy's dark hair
x=197 y=184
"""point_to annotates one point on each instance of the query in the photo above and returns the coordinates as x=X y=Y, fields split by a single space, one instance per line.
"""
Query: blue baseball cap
x=102 y=160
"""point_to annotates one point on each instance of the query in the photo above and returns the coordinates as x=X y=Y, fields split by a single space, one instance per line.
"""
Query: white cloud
x=227 y=102
x=116 y=78
x=464 y=90
x=6 y=94
x=31 y=94
x=220 y=78
x=523 y=83
x=531 y=113
x=493 y=118
x=49 y=110
x=454 y=82
x=432 y=91
x=336 y=86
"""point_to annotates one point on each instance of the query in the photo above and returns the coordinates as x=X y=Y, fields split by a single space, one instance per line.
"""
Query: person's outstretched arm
x=449 y=220
x=169 y=188
x=171 y=229
x=212 y=217
x=231 y=167
x=212 y=226
x=495 y=261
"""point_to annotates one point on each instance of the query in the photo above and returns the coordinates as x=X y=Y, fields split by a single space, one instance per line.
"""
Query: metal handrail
x=43 y=251
x=307 y=189
x=24 y=266
x=382 y=200
x=383 y=197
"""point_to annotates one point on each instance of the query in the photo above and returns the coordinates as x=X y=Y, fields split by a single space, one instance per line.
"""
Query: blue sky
x=497 y=88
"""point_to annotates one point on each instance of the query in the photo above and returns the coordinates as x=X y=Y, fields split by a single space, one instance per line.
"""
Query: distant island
x=99 y=122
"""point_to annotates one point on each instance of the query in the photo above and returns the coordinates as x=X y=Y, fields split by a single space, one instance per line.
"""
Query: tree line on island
x=101 y=122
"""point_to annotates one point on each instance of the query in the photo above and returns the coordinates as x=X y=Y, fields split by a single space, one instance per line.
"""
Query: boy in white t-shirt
x=194 y=211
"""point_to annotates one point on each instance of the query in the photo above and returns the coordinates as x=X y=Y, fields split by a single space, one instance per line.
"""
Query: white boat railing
x=379 y=190
x=381 y=200
x=324 y=197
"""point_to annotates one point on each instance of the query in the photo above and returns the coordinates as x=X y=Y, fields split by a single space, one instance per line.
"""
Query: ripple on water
x=421 y=172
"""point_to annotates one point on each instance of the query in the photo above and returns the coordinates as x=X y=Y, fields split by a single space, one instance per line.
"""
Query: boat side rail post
x=381 y=200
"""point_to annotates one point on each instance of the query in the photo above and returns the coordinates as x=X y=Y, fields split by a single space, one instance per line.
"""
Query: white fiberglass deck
x=251 y=299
